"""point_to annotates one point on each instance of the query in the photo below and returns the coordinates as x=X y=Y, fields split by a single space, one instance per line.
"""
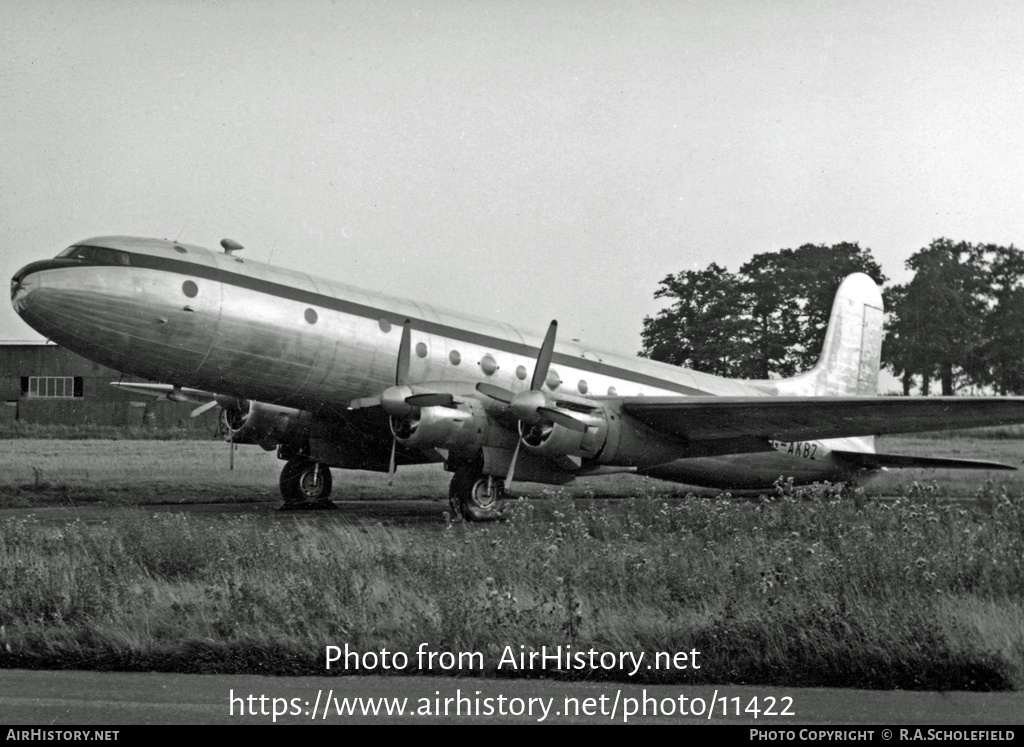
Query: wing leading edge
x=811 y=418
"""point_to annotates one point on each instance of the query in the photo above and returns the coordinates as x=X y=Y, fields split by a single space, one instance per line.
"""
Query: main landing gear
x=475 y=497
x=305 y=484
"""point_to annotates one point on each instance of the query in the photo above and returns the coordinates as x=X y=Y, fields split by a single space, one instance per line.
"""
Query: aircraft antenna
x=231 y=246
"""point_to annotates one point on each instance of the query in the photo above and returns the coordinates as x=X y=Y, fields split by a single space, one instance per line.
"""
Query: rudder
x=852 y=353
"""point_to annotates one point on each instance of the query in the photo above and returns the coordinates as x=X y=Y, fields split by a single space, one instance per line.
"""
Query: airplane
x=332 y=376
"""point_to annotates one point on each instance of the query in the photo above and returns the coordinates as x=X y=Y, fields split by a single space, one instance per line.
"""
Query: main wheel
x=474 y=497
x=305 y=481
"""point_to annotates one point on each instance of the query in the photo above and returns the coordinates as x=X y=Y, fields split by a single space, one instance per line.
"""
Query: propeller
x=400 y=402
x=401 y=377
x=203 y=408
x=531 y=407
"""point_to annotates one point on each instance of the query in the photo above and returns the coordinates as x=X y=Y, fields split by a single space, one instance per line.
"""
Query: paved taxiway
x=115 y=698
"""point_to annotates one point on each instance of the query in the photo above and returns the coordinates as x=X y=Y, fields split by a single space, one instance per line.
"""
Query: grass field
x=795 y=588
x=134 y=472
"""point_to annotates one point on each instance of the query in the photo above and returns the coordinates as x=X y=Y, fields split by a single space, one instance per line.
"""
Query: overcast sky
x=518 y=160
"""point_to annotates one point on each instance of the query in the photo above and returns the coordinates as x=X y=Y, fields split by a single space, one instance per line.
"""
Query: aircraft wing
x=173 y=393
x=811 y=418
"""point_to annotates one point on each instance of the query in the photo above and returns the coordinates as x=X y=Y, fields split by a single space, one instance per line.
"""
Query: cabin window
x=612 y=391
x=553 y=380
x=421 y=350
x=488 y=364
x=385 y=325
x=455 y=358
x=521 y=373
x=190 y=289
x=582 y=386
x=52 y=387
x=311 y=316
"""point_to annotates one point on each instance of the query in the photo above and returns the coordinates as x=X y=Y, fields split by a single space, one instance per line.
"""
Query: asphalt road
x=108 y=699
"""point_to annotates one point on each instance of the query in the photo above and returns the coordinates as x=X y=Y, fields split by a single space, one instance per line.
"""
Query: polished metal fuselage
x=184 y=315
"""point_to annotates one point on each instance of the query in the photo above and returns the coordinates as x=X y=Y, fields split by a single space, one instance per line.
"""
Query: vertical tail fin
x=851 y=355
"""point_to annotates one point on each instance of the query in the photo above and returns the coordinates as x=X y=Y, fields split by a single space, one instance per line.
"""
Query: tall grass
x=799 y=588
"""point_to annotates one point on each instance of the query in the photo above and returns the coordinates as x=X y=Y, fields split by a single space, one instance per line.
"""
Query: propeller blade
x=495 y=392
x=391 y=467
x=512 y=465
x=563 y=419
x=404 y=354
x=231 y=451
x=203 y=408
x=430 y=399
x=540 y=371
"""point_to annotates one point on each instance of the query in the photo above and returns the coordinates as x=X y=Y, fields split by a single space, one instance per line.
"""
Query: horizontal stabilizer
x=874 y=461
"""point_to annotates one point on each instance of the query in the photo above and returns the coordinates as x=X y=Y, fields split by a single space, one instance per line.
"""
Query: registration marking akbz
x=803 y=449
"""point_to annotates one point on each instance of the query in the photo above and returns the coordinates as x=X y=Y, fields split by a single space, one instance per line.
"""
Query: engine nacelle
x=432 y=426
x=630 y=443
x=259 y=423
x=612 y=438
x=555 y=440
x=452 y=427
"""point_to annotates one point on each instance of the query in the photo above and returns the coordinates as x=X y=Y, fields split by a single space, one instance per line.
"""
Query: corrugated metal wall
x=100 y=403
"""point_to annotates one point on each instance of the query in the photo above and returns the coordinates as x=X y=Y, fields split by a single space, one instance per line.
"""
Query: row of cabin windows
x=51 y=386
x=487 y=363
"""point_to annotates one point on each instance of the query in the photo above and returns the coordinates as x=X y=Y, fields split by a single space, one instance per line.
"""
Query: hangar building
x=41 y=382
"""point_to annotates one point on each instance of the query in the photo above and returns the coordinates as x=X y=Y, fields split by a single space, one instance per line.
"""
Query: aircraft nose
x=23 y=283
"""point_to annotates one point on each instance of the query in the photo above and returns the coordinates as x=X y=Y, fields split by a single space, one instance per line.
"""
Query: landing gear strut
x=475 y=497
x=305 y=484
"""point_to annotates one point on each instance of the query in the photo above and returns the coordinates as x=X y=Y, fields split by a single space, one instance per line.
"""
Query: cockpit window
x=100 y=255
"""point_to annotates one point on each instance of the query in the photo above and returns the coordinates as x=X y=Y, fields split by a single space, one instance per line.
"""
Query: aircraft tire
x=469 y=497
x=300 y=483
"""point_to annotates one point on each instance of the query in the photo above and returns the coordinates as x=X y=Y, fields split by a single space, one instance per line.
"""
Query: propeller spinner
x=531 y=408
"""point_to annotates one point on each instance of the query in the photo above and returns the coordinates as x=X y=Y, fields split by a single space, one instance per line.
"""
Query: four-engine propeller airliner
x=334 y=376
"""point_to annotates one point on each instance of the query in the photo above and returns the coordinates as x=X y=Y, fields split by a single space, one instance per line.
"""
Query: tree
x=1003 y=347
x=937 y=319
x=793 y=292
x=901 y=347
x=706 y=327
x=769 y=320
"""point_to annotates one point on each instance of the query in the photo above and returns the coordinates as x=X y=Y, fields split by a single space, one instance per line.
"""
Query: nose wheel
x=305 y=484
x=475 y=497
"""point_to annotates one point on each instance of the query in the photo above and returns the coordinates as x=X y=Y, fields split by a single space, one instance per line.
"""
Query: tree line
x=959 y=322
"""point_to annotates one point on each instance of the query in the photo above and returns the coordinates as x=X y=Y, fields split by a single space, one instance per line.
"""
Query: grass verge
x=800 y=588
